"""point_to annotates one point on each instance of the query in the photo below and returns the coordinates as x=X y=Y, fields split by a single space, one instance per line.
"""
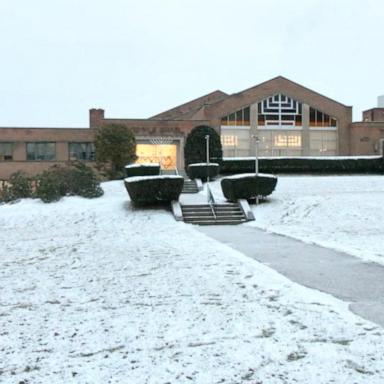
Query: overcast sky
x=58 y=58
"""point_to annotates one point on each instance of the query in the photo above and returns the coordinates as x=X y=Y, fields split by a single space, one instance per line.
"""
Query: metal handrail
x=211 y=200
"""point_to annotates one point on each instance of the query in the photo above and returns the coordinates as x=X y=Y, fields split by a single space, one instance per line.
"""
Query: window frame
x=40 y=143
x=12 y=144
x=81 y=142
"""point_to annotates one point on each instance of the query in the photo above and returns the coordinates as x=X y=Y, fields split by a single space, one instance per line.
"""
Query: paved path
x=343 y=276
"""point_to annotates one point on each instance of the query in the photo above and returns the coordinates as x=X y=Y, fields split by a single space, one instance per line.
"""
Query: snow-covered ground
x=93 y=291
x=340 y=212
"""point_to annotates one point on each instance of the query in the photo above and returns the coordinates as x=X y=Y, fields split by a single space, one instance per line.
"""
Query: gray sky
x=137 y=58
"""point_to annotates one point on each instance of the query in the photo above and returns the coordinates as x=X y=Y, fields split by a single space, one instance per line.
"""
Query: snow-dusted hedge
x=132 y=170
x=248 y=186
x=202 y=170
x=152 y=190
x=318 y=165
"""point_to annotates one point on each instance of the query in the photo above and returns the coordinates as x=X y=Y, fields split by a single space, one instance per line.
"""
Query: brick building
x=288 y=119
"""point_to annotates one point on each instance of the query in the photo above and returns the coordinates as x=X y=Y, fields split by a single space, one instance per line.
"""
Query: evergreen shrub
x=248 y=186
x=202 y=171
x=74 y=180
x=19 y=186
x=195 y=149
x=154 y=190
x=132 y=170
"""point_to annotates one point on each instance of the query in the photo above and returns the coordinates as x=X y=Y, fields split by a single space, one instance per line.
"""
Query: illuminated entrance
x=165 y=154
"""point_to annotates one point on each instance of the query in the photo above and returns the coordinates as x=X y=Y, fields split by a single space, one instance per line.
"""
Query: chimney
x=96 y=117
x=380 y=101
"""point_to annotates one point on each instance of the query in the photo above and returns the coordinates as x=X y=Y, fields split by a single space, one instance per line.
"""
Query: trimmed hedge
x=132 y=170
x=202 y=171
x=195 y=149
x=154 y=190
x=342 y=165
x=248 y=186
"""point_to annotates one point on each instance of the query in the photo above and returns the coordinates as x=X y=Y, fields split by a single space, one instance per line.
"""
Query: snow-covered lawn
x=93 y=291
x=340 y=212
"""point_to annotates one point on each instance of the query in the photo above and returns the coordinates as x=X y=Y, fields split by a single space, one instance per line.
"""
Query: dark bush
x=342 y=165
x=115 y=146
x=19 y=186
x=154 y=190
x=248 y=186
x=132 y=170
x=76 y=179
x=195 y=149
x=84 y=182
x=202 y=171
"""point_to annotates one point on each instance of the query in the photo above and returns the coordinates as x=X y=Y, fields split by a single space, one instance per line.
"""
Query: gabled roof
x=284 y=79
x=189 y=109
x=271 y=87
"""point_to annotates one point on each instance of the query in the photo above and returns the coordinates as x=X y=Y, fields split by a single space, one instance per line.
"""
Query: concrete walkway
x=343 y=276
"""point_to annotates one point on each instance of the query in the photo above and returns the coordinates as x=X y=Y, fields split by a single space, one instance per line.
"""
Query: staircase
x=210 y=214
x=190 y=186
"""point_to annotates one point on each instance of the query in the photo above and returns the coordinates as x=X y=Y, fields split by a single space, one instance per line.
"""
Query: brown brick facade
x=359 y=138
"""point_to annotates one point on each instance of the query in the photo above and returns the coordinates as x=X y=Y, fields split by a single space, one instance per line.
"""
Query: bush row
x=154 y=190
x=342 y=165
x=76 y=179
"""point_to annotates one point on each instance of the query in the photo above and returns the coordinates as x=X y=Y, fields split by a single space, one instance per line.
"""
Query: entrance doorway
x=163 y=154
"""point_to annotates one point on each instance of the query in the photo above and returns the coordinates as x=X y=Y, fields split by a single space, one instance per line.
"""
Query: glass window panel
x=224 y=120
x=229 y=140
x=333 y=123
x=6 y=151
x=239 y=117
x=312 y=117
x=81 y=151
x=261 y=120
x=41 y=151
x=326 y=120
x=279 y=110
x=247 y=116
x=232 y=118
x=319 y=119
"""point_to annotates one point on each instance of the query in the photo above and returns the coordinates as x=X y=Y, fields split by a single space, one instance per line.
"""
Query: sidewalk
x=336 y=273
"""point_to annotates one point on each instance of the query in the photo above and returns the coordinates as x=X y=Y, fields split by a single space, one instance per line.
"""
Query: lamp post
x=257 y=141
x=208 y=189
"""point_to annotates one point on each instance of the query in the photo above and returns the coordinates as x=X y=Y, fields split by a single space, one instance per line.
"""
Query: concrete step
x=205 y=213
x=190 y=186
x=201 y=214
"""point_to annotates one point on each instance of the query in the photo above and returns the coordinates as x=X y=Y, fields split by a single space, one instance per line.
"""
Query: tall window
x=41 y=151
x=320 y=119
x=81 y=151
x=279 y=111
x=6 y=151
x=238 y=118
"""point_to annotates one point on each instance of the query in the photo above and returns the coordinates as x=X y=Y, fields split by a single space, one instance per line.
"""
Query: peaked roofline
x=196 y=100
x=292 y=82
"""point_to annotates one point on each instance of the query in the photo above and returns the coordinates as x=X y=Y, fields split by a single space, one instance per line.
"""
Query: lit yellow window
x=287 y=141
x=229 y=140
